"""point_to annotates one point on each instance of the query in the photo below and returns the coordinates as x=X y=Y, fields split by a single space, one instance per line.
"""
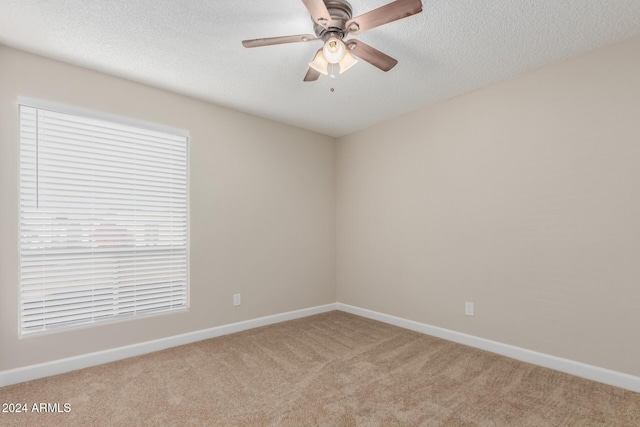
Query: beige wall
x=523 y=197
x=262 y=209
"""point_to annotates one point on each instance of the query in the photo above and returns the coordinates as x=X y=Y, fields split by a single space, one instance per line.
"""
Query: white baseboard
x=590 y=372
x=61 y=366
x=579 y=369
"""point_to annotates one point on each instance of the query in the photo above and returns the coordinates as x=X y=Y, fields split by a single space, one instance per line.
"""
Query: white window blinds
x=103 y=221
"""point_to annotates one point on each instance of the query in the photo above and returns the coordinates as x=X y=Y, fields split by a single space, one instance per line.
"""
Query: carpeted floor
x=333 y=369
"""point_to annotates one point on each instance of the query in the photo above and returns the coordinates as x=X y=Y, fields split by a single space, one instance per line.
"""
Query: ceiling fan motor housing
x=340 y=11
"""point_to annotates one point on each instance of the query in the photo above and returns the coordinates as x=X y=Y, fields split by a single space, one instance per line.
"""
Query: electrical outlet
x=468 y=308
x=236 y=299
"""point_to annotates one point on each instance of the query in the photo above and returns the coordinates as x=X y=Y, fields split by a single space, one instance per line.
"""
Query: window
x=103 y=220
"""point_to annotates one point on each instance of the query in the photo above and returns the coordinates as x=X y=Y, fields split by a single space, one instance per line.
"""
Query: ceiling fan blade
x=372 y=55
x=318 y=11
x=312 y=75
x=383 y=15
x=269 y=41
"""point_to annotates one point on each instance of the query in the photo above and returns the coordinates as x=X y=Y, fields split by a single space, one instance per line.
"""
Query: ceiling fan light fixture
x=347 y=62
x=334 y=50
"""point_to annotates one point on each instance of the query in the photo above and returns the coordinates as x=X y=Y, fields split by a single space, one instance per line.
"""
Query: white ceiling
x=193 y=47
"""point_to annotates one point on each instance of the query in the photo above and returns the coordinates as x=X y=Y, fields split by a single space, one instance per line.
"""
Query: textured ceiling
x=193 y=47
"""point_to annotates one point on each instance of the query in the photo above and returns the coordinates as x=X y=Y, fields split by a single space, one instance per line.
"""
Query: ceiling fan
x=332 y=22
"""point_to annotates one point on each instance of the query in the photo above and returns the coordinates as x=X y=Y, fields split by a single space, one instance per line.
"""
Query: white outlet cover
x=236 y=299
x=468 y=308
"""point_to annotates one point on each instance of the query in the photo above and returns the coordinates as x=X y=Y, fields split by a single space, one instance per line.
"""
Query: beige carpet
x=332 y=369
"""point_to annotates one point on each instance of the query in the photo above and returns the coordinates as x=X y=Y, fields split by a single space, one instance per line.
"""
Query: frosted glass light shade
x=319 y=63
x=347 y=62
x=334 y=50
